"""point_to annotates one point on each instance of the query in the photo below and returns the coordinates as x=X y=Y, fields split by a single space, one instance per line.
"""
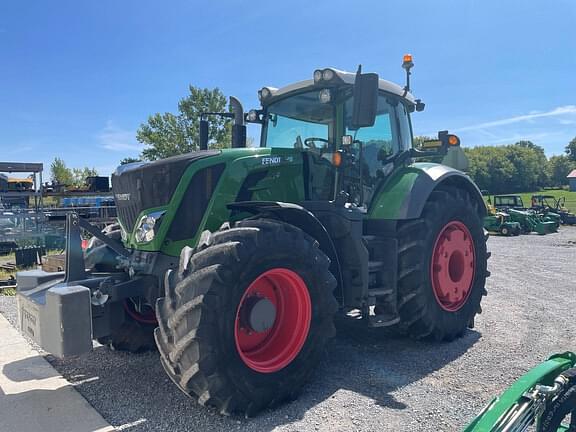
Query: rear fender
x=405 y=193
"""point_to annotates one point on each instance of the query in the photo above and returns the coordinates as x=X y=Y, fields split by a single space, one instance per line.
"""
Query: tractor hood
x=143 y=185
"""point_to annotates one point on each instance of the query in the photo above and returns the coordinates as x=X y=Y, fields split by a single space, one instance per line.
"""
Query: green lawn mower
x=500 y=223
x=234 y=262
x=543 y=400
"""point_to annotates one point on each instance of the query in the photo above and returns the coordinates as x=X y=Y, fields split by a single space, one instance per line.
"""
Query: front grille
x=149 y=185
x=194 y=203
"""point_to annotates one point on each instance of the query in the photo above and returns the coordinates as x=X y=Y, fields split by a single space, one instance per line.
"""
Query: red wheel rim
x=274 y=348
x=452 y=267
x=148 y=317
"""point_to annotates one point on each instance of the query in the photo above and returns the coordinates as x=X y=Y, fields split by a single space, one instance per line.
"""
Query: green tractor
x=502 y=224
x=234 y=262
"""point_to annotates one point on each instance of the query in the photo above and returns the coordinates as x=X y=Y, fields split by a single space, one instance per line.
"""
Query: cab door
x=374 y=148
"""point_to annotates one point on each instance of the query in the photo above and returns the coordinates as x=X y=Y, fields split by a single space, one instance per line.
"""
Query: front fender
x=298 y=216
x=405 y=193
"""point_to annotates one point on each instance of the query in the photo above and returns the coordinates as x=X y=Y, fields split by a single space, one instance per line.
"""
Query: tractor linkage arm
x=525 y=401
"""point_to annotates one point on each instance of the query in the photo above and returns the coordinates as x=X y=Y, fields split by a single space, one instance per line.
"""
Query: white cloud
x=565 y=110
x=117 y=139
x=515 y=137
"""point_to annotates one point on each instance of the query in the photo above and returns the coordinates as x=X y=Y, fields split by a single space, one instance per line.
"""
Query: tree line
x=519 y=167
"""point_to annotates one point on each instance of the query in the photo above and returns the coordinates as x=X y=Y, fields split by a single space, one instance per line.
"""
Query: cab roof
x=343 y=78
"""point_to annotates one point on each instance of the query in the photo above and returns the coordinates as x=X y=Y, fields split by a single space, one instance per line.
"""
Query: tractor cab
x=353 y=129
x=508 y=202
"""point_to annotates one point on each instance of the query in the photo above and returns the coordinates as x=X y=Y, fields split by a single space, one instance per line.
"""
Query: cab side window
x=404 y=127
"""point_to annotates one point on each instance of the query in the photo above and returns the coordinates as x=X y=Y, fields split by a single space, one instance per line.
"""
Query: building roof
x=572 y=174
x=13 y=167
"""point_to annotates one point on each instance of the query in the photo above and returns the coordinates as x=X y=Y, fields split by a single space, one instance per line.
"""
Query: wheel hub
x=258 y=314
x=272 y=320
x=452 y=267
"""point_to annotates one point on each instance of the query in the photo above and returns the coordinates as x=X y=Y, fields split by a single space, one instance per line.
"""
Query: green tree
x=490 y=168
x=60 y=173
x=170 y=134
x=571 y=149
x=531 y=166
x=128 y=160
x=559 y=167
x=79 y=175
x=530 y=145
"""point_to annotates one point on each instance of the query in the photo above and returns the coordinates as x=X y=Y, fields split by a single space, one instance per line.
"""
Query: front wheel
x=442 y=267
x=246 y=317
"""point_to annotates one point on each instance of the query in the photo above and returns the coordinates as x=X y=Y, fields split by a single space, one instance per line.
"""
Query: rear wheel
x=442 y=267
x=247 y=315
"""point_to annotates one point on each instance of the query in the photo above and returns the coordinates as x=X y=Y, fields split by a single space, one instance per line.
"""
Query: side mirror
x=365 y=100
x=203 y=132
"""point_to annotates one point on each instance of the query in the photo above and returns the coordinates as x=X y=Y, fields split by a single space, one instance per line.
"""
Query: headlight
x=147 y=226
x=317 y=76
x=252 y=116
x=327 y=74
x=264 y=93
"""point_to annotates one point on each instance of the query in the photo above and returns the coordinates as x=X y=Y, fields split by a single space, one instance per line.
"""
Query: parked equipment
x=237 y=260
x=532 y=222
x=500 y=223
x=543 y=400
x=551 y=204
x=529 y=220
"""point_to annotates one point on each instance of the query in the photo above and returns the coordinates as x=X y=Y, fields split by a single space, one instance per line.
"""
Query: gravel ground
x=370 y=383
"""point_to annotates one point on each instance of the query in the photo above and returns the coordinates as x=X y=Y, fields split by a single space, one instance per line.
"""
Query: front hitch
x=62 y=311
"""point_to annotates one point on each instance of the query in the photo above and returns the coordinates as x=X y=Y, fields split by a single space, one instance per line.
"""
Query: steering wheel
x=310 y=142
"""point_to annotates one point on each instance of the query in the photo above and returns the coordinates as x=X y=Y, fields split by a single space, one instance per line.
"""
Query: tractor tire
x=505 y=231
x=442 y=267
x=220 y=338
x=136 y=334
x=99 y=257
x=561 y=407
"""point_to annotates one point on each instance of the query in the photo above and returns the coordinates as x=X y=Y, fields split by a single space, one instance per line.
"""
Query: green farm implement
x=544 y=399
x=234 y=262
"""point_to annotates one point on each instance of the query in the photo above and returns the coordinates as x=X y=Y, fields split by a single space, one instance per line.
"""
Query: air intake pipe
x=238 y=128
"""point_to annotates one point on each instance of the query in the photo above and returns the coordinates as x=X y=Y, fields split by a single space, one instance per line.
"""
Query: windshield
x=294 y=122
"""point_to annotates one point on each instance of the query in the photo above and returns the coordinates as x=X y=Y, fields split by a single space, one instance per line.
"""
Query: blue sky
x=78 y=77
